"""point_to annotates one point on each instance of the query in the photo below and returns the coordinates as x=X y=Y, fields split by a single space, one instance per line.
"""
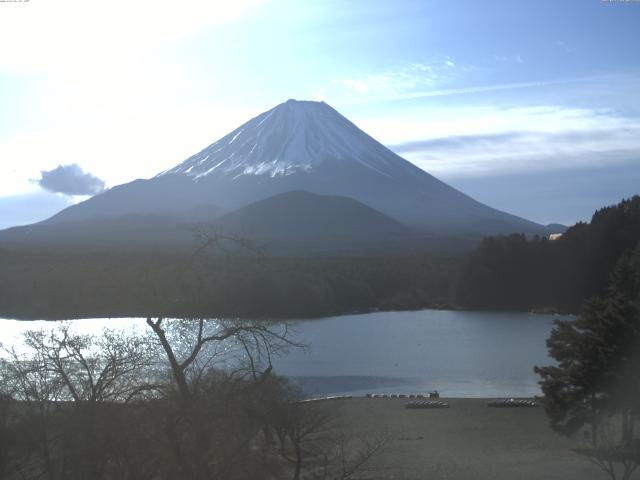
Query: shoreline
x=432 y=307
x=407 y=398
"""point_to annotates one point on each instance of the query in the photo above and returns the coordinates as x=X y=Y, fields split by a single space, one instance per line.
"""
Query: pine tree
x=597 y=356
x=597 y=375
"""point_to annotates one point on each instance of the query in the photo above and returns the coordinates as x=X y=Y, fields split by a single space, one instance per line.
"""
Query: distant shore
x=449 y=307
x=466 y=441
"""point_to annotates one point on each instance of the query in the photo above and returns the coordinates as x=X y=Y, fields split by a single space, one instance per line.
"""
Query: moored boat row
x=512 y=402
x=427 y=404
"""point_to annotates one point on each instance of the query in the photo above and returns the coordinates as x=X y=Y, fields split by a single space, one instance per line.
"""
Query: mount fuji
x=296 y=146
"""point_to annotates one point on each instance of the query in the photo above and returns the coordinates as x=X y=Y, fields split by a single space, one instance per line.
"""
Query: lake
x=459 y=353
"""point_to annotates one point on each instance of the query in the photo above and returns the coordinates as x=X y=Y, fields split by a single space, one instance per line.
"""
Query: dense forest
x=513 y=272
x=504 y=272
x=57 y=285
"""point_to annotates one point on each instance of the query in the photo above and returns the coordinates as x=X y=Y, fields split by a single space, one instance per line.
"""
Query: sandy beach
x=466 y=441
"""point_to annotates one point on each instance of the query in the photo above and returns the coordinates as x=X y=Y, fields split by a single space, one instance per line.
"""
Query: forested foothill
x=512 y=272
x=517 y=273
x=594 y=385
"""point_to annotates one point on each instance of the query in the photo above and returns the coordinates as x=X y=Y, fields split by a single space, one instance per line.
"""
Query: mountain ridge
x=291 y=223
x=300 y=146
x=300 y=221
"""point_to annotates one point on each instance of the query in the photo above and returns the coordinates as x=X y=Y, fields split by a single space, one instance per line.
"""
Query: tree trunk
x=298 y=450
x=594 y=421
x=176 y=369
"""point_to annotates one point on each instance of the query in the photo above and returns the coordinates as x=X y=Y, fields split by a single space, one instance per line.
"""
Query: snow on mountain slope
x=294 y=137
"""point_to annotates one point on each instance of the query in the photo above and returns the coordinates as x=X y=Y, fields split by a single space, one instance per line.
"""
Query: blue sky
x=531 y=107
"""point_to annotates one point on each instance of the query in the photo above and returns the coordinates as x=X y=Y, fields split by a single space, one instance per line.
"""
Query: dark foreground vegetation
x=158 y=406
x=595 y=384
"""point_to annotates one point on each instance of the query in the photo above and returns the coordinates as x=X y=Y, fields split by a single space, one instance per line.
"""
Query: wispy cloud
x=565 y=46
x=499 y=141
x=517 y=58
x=474 y=89
x=485 y=88
x=393 y=83
x=424 y=80
x=502 y=154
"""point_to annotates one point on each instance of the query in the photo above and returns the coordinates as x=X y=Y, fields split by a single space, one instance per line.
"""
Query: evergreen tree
x=597 y=376
x=597 y=355
x=516 y=273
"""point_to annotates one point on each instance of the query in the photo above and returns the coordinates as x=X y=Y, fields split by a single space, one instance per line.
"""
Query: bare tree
x=210 y=239
x=90 y=368
x=192 y=346
x=67 y=386
x=26 y=378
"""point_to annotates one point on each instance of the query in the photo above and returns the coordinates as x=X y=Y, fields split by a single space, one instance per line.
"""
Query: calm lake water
x=461 y=354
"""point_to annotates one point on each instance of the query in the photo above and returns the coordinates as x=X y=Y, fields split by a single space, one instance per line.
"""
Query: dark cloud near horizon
x=491 y=140
x=70 y=180
x=455 y=141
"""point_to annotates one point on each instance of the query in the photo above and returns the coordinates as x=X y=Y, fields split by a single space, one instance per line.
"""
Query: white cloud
x=420 y=67
x=360 y=86
x=509 y=58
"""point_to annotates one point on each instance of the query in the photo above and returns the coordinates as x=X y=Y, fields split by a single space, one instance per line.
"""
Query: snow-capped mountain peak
x=294 y=137
x=301 y=146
